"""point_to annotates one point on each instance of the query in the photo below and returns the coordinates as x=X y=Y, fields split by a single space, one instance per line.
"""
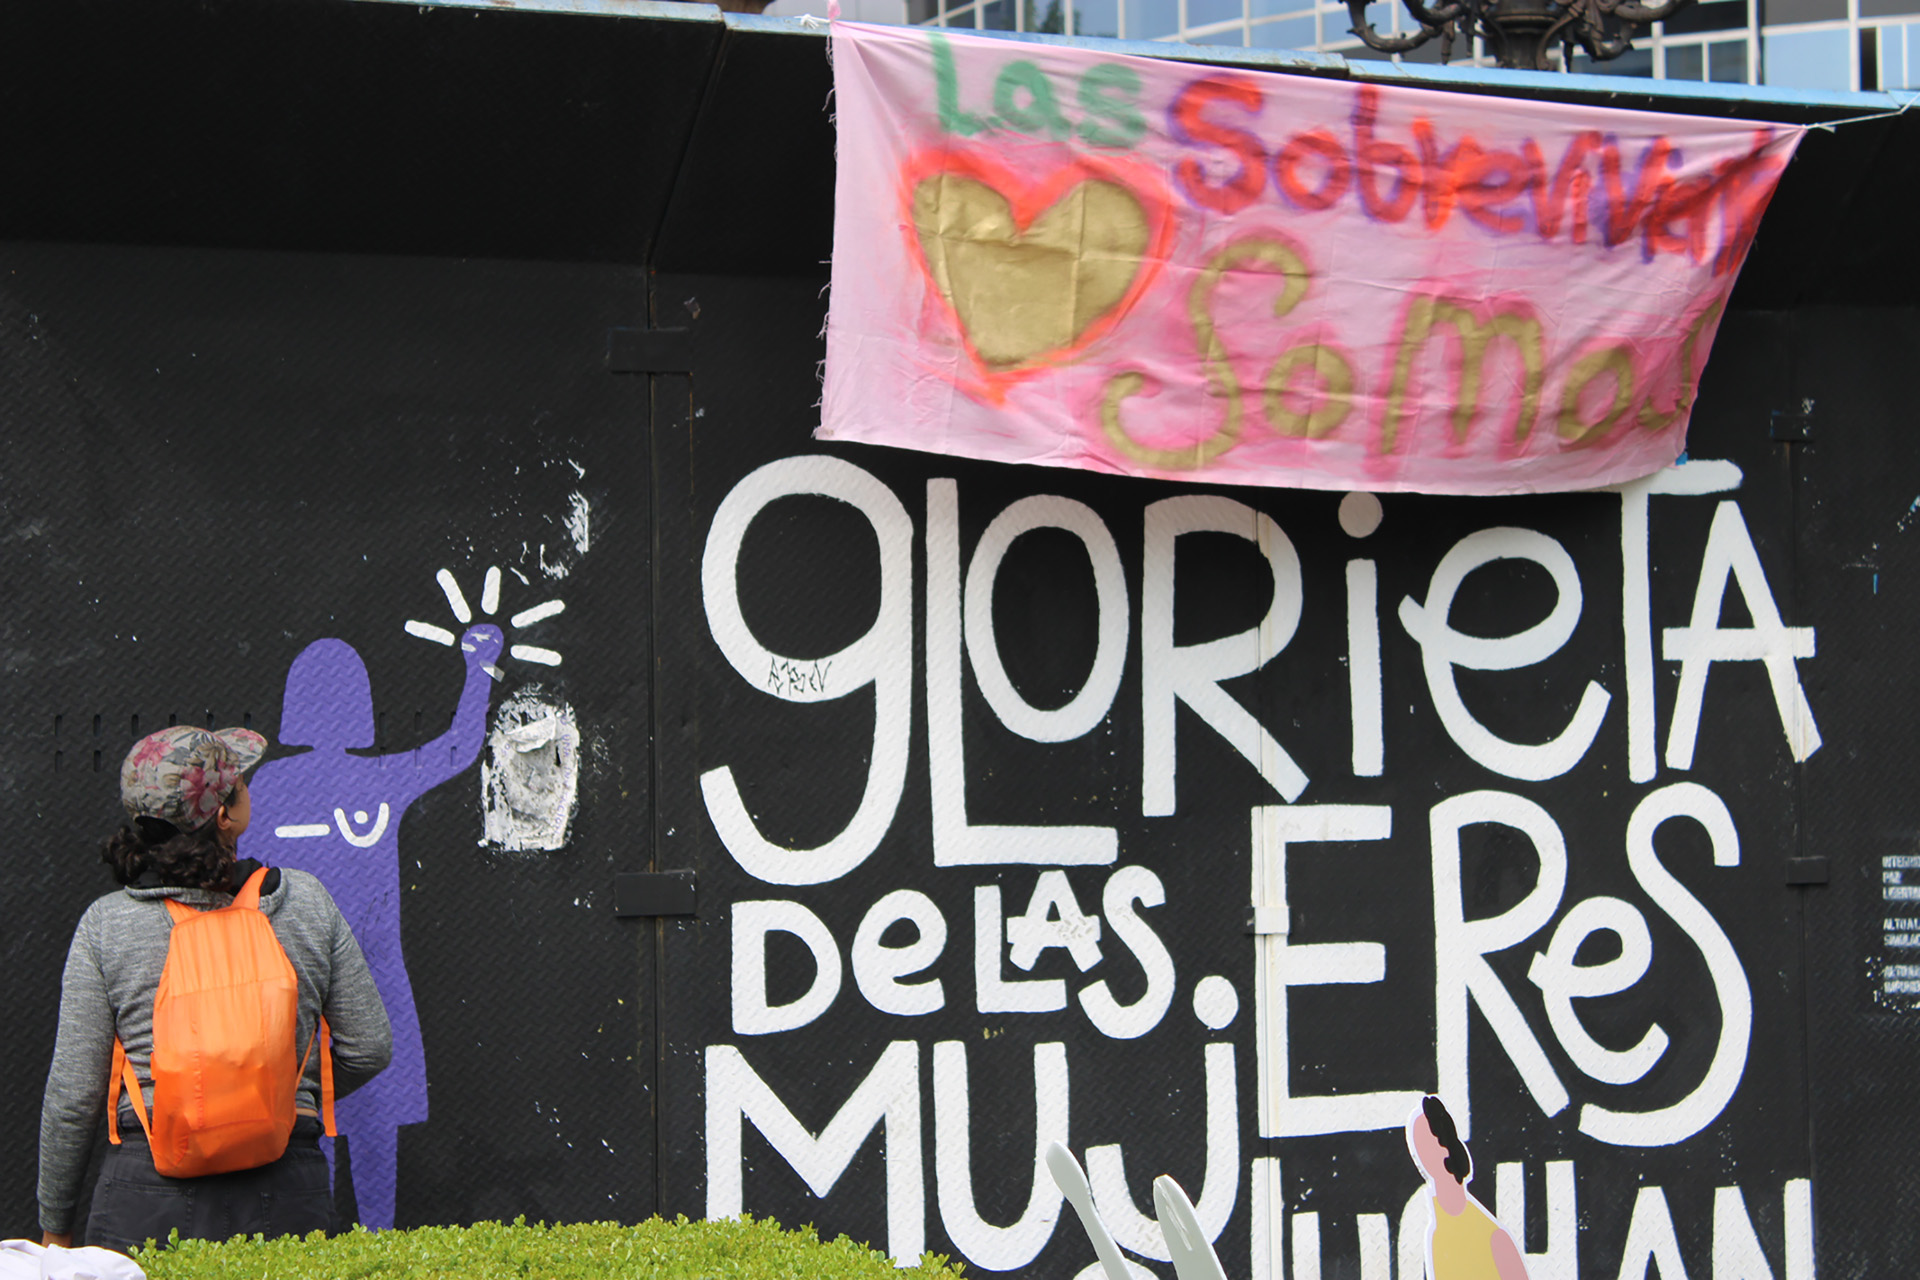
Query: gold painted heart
x=1033 y=272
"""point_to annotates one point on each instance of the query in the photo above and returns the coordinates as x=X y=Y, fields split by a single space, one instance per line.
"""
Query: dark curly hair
x=200 y=859
x=1458 y=1162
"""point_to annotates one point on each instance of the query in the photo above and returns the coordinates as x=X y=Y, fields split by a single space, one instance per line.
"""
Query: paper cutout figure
x=338 y=816
x=1072 y=1181
x=25 y=1260
x=1464 y=1242
x=1193 y=1255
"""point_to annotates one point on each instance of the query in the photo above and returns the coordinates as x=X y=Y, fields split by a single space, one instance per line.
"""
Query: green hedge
x=740 y=1249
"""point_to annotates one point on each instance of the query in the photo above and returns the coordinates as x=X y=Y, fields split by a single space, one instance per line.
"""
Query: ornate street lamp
x=1520 y=32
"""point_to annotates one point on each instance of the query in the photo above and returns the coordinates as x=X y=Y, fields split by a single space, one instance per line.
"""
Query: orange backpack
x=224 y=1075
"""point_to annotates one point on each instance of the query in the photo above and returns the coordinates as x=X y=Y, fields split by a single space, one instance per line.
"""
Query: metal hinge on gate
x=1267 y=921
x=654 y=893
x=1807 y=871
x=1792 y=426
x=649 y=351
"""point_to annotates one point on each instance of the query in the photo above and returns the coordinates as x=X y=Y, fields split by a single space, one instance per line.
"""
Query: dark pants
x=133 y=1203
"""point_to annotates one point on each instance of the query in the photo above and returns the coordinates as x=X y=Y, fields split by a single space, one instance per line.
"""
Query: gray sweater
x=113 y=972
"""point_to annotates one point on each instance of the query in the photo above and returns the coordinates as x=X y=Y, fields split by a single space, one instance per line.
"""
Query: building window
x=1804 y=59
x=1898 y=49
x=1803 y=44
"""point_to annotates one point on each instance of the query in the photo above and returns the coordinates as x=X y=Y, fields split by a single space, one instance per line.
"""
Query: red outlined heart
x=994 y=248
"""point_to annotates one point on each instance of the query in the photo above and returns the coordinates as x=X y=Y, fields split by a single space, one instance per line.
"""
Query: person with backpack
x=216 y=1007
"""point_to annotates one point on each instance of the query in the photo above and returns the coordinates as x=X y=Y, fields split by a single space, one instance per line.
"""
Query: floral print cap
x=183 y=774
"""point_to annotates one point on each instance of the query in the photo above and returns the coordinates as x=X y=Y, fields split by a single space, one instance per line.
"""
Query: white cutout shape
x=1193 y=1255
x=1072 y=1181
x=1360 y=514
x=1192 y=1252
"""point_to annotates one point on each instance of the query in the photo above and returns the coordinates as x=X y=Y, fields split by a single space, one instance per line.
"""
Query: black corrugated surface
x=344 y=127
x=219 y=451
x=214 y=459
x=1857 y=483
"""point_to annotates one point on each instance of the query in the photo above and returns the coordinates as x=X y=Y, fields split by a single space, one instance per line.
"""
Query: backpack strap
x=123 y=1071
x=326 y=1077
x=323 y=1034
x=113 y=1091
x=247 y=899
x=249 y=896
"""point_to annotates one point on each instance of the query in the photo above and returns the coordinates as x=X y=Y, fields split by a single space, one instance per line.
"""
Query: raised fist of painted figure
x=482 y=644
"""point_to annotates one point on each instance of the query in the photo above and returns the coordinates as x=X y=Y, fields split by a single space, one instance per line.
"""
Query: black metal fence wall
x=1203 y=829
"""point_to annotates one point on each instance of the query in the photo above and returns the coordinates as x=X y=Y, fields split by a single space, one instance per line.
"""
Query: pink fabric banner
x=1058 y=255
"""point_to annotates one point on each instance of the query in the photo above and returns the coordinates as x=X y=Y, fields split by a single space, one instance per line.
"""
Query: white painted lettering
x=1561 y=982
x=994 y=993
x=1192 y=674
x=987 y=1246
x=878 y=968
x=1698 y=1109
x=1053 y=919
x=752 y=921
x=1306 y=1246
x=1125 y=887
x=1700 y=476
x=1736 y=1248
x=1089 y=706
x=957 y=842
x=1220 y=1183
x=1650 y=1239
x=1696 y=647
x=890 y=1094
x=1561 y=1261
x=1797 y=1203
x=1281 y=964
x=1442 y=649
x=1461 y=948
x=1363 y=668
x=883 y=657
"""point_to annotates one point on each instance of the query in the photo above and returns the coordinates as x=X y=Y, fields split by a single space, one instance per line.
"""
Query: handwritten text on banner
x=1055 y=255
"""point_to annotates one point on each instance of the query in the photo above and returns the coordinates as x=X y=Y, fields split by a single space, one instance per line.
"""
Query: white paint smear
x=578 y=521
x=529 y=777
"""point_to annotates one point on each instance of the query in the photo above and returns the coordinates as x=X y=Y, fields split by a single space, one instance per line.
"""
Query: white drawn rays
x=489 y=606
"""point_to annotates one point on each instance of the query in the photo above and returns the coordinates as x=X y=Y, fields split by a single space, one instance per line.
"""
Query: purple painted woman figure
x=337 y=816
